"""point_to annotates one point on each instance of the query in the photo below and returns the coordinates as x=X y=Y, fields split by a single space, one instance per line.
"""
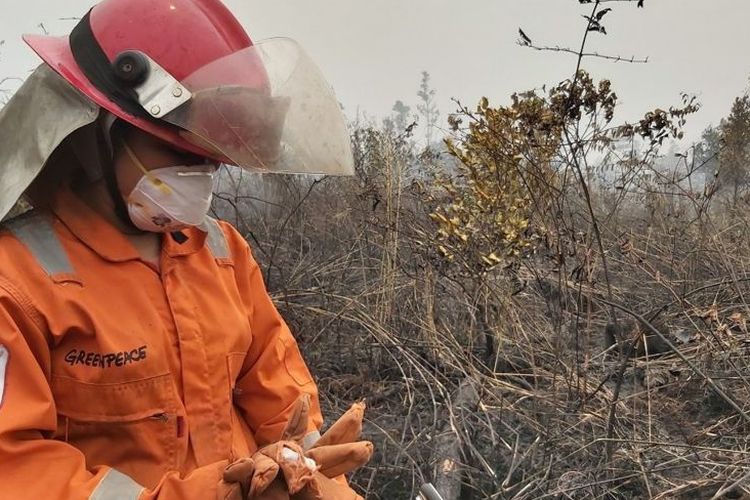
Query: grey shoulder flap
x=36 y=232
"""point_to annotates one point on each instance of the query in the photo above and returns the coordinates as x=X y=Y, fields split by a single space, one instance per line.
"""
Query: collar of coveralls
x=105 y=239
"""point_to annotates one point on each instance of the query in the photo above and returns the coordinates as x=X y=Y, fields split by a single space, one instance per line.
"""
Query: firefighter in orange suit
x=140 y=354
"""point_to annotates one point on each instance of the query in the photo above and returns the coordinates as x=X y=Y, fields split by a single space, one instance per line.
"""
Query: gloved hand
x=235 y=483
x=338 y=452
x=258 y=476
x=283 y=470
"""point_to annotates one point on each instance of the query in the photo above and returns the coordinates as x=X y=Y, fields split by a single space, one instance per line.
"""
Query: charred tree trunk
x=449 y=471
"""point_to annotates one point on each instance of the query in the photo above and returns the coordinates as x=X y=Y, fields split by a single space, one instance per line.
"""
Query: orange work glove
x=297 y=477
x=283 y=470
x=249 y=477
x=236 y=480
x=337 y=452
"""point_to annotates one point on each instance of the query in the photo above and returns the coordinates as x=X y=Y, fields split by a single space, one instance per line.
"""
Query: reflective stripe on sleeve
x=310 y=439
x=116 y=486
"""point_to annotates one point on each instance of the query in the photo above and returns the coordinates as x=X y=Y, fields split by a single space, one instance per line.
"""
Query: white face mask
x=170 y=199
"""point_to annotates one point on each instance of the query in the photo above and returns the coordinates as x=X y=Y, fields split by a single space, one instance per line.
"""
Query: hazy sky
x=373 y=51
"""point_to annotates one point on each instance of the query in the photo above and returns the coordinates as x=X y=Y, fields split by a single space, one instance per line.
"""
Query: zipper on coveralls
x=179 y=422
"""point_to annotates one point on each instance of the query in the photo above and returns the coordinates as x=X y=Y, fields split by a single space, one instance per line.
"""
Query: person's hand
x=235 y=483
x=283 y=470
x=258 y=476
x=337 y=452
x=305 y=478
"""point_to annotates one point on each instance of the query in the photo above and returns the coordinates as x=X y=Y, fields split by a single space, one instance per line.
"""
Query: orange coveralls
x=122 y=382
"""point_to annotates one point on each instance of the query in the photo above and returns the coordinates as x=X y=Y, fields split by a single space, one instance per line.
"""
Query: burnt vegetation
x=545 y=305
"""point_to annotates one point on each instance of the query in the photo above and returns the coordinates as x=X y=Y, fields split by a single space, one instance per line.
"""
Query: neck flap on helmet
x=36 y=120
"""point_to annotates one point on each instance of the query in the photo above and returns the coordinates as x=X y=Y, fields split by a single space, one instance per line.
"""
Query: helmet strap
x=109 y=174
x=94 y=63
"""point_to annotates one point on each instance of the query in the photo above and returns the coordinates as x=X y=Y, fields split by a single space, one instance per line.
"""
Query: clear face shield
x=266 y=108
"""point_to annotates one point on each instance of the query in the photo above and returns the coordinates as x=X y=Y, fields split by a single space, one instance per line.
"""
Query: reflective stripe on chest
x=36 y=232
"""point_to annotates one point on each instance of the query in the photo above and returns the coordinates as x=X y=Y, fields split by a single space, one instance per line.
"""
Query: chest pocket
x=132 y=426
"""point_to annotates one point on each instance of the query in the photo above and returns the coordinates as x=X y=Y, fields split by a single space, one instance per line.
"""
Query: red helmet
x=187 y=72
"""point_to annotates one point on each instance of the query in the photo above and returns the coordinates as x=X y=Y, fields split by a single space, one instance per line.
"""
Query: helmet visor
x=267 y=108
